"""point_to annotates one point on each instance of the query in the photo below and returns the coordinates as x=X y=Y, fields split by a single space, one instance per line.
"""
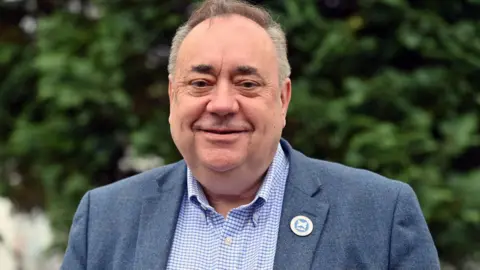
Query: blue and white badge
x=301 y=225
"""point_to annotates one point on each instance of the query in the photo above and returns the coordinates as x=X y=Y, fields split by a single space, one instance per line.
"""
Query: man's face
x=227 y=106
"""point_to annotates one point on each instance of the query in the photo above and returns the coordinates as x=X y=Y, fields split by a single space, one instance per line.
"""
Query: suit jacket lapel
x=158 y=220
x=302 y=197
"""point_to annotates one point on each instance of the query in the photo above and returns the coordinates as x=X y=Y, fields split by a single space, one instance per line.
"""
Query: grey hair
x=214 y=8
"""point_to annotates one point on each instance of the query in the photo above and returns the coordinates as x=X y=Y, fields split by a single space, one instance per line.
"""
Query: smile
x=223 y=132
x=222 y=136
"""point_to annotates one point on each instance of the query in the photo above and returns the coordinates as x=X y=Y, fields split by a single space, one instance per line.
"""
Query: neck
x=224 y=203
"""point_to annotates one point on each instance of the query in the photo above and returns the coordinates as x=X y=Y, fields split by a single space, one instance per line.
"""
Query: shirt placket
x=231 y=240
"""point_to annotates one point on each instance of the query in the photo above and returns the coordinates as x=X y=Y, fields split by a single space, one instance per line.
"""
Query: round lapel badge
x=301 y=225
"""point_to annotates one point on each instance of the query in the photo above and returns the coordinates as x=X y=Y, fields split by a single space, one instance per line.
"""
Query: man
x=242 y=198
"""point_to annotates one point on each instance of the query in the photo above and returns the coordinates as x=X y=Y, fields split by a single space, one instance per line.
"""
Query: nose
x=223 y=101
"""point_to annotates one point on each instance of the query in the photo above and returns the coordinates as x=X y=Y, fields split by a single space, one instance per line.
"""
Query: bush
x=386 y=85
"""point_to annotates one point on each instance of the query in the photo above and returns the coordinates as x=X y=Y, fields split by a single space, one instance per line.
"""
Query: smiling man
x=242 y=198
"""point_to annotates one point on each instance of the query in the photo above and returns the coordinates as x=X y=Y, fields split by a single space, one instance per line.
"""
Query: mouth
x=223 y=131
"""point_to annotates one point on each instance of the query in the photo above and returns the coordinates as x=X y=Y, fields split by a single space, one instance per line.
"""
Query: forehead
x=226 y=43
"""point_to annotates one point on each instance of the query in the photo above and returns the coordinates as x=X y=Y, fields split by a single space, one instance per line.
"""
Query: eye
x=200 y=83
x=248 y=84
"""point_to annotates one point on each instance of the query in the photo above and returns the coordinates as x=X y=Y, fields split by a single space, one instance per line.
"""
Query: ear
x=285 y=97
x=170 y=96
x=170 y=87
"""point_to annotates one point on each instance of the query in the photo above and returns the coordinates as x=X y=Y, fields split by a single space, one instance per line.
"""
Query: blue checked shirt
x=246 y=239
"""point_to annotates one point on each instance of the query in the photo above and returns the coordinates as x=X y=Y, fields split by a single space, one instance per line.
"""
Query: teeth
x=223 y=132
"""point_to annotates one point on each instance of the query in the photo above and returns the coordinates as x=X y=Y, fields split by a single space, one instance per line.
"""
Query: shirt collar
x=197 y=196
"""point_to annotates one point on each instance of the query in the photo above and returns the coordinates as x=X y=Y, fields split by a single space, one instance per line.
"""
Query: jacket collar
x=303 y=197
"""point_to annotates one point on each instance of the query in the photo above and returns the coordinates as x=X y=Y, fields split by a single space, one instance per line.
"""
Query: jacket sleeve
x=76 y=254
x=411 y=245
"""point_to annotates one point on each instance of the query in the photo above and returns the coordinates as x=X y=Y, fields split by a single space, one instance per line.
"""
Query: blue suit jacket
x=361 y=221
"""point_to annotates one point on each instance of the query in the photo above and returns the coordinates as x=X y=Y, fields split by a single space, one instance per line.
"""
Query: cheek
x=265 y=116
x=186 y=110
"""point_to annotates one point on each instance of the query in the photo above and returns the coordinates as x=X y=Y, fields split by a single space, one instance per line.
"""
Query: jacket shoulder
x=140 y=185
x=344 y=183
x=346 y=176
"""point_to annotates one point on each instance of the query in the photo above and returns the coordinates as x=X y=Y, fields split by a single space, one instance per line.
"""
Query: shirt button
x=228 y=241
x=255 y=218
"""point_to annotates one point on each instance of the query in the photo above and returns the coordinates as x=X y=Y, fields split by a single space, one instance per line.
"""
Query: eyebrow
x=239 y=70
x=203 y=69
x=246 y=70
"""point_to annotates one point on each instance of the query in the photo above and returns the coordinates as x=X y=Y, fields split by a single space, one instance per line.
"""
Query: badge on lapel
x=301 y=225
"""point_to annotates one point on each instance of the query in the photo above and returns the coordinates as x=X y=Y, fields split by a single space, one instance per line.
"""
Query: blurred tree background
x=387 y=85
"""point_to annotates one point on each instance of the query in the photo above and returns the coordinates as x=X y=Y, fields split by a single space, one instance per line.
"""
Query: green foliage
x=396 y=93
x=390 y=86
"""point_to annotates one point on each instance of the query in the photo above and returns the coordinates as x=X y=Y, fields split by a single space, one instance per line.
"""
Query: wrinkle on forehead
x=212 y=41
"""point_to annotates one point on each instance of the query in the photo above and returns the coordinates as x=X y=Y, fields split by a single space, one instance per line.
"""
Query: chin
x=221 y=168
x=221 y=162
